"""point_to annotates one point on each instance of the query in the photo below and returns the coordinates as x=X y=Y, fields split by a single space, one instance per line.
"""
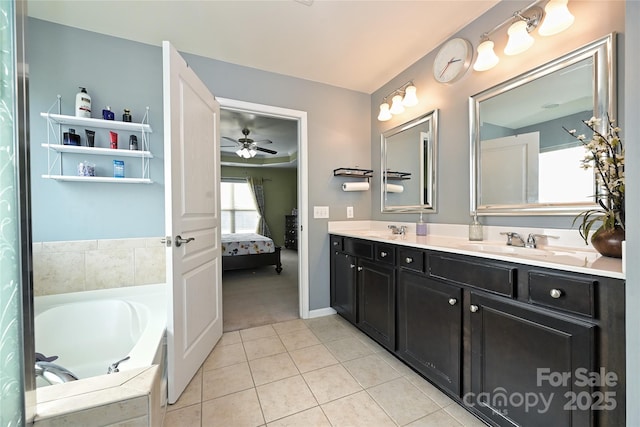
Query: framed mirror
x=522 y=160
x=409 y=154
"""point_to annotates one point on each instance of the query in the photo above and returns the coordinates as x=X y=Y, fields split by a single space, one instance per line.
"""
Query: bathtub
x=91 y=330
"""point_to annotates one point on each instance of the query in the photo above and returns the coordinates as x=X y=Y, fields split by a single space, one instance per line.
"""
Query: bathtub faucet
x=114 y=366
x=52 y=373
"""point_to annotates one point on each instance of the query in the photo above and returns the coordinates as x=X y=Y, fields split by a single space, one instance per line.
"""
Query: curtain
x=258 y=195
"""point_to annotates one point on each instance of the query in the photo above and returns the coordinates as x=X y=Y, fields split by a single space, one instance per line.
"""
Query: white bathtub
x=89 y=331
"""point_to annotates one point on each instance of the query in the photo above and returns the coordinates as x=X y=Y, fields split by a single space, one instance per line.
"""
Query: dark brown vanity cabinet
x=343 y=280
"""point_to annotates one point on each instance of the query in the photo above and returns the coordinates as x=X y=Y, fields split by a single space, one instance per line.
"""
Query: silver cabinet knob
x=359 y=268
x=408 y=260
x=474 y=308
x=453 y=301
x=555 y=293
x=352 y=265
x=383 y=254
x=334 y=243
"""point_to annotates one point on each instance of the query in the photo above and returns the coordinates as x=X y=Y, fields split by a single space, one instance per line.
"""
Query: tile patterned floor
x=316 y=372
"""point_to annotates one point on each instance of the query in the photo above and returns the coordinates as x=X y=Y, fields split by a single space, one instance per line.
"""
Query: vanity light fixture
x=404 y=96
x=556 y=16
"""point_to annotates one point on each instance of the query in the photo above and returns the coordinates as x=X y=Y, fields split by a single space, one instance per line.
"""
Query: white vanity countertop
x=568 y=252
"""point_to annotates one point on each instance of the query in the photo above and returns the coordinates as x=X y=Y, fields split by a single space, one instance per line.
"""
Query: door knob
x=180 y=240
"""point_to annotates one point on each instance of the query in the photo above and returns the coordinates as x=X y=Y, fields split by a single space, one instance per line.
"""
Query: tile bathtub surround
x=76 y=266
x=315 y=372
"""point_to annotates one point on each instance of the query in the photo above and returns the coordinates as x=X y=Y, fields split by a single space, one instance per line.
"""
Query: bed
x=249 y=250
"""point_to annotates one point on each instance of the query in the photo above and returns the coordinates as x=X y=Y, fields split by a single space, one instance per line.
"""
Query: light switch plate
x=321 y=211
x=349 y=211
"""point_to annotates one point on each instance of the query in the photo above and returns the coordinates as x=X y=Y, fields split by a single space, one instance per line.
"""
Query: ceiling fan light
x=410 y=99
x=252 y=153
x=239 y=152
x=557 y=18
x=487 y=58
x=385 y=114
x=396 y=105
x=519 y=38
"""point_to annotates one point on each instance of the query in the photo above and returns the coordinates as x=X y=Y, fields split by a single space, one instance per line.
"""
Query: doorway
x=300 y=117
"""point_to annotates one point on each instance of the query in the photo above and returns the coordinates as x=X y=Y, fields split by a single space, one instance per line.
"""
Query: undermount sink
x=516 y=250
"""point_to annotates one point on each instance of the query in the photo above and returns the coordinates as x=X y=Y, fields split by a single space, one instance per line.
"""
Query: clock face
x=453 y=60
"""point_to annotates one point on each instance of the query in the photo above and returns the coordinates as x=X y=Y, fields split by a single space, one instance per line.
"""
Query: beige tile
x=135 y=422
x=377 y=348
x=371 y=370
x=331 y=383
x=230 y=338
x=191 y=395
x=263 y=347
x=229 y=379
x=240 y=409
x=437 y=419
x=110 y=268
x=430 y=390
x=402 y=401
x=257 y=332
x=315 y=357
x=332 y=332
x=348 y=348
x=272 y=368
x=70 y=246
x=313 y=417
x=395 y=363
x=150 y=265
x=289 y=326
x=463 y=416
x=322 y=322
x=108 y=406
x=299 y=339
x=122 y=243
x=285 y=397
x=154 y=241
x=224 y=356
x=188 y=416
x=356 y=410
x=58 y=272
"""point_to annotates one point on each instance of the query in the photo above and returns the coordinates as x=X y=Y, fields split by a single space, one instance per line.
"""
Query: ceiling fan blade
x=265 y=150
x=230 y=139
x=264 y=141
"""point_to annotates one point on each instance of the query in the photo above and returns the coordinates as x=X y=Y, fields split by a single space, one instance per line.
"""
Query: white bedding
x=246 y=244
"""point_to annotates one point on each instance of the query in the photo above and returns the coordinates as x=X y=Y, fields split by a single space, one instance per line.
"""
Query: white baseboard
x=321 y=312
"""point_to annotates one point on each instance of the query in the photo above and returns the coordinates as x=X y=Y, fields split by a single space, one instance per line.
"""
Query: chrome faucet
x=114 y=366
x=532 y=241
x=398 y=230
x=510 y=239
x=53 y=374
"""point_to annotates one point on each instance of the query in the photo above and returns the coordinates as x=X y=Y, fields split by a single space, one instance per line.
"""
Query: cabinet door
x=343 y=285
x=376 y=302
x=524 y=364
x=430 y=328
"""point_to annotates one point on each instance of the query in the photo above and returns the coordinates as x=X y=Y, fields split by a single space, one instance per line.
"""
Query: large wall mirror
x=522 y=160
x=409 y=166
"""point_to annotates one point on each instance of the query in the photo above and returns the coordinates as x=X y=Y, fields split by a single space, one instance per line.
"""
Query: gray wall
x=593 y=20
x=121 y=74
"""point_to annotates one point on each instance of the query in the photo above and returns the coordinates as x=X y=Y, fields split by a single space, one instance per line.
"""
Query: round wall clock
x=453 y=60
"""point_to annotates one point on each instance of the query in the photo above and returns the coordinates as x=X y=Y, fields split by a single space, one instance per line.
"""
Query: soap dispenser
x=421 y=227
x=475 y=229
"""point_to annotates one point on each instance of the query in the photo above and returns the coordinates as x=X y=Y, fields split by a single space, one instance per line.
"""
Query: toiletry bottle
x=91 y=136
x=83 y=103
x=475 y=229
x=113 y=137
x=421 y=227
x=126 y=117
x=107 y=114
x=133 y=142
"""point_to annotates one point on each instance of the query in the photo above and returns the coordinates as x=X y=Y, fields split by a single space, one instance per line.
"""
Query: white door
x=509 y=169
x=192 y=224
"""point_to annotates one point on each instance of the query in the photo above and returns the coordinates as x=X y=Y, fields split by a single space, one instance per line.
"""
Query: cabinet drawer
x=385 y=254
x=336 y=243
x=492 y=277
x=359 y=248
x=568 y=293
x=412 y=259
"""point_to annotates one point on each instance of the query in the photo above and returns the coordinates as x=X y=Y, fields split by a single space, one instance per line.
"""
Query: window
x=239 y=213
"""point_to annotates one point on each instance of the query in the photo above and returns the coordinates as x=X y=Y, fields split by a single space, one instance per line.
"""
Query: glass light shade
x=519 y=39
x=557 y=18
x=239 y=152
x=396 y=105
x=385 y=114
x=252 y=153
x=487 y=58
x=410 y=99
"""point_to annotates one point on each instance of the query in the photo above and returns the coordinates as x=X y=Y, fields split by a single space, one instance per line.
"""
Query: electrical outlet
x=321 y=211
x=349 y=211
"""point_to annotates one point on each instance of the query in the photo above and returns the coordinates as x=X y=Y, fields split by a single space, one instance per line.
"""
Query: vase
x=608 y=242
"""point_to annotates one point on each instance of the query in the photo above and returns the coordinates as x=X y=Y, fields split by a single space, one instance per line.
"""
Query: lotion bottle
x=475 y=229
x=83 y=103
x=421 y=227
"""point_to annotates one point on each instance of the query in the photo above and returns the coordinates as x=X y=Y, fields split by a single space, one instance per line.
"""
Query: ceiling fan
x=248 y=147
